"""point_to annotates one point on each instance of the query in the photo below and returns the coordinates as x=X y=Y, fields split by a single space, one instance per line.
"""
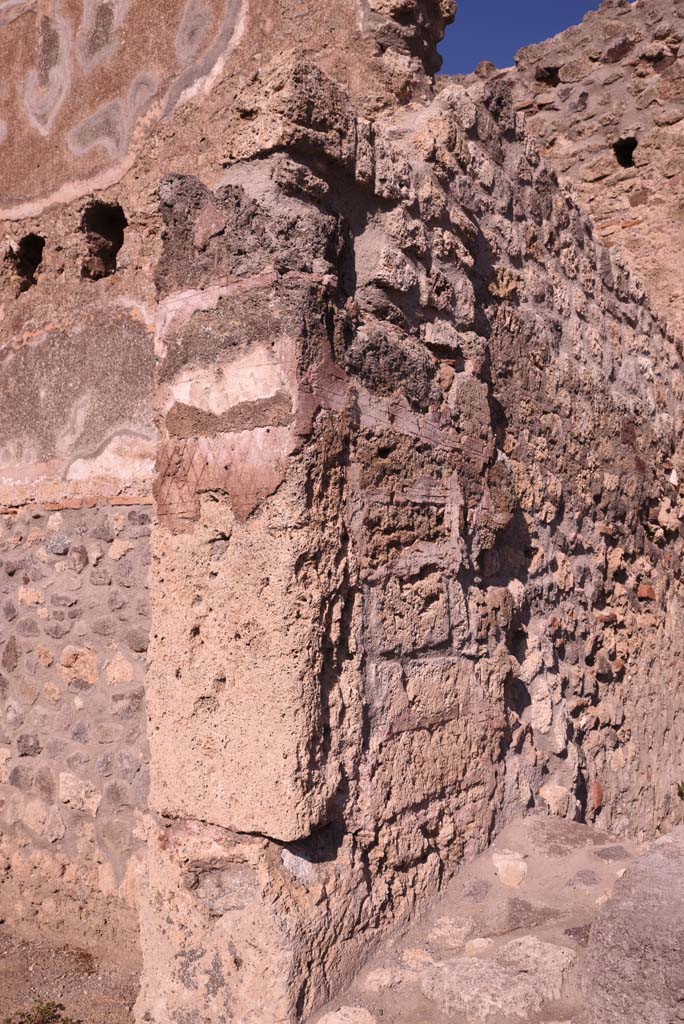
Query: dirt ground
x=90 y=991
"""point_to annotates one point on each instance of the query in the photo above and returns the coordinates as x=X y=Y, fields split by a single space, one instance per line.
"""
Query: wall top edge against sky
x=495 y=30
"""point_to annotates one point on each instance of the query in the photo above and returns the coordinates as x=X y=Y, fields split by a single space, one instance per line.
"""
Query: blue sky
x=496 y=29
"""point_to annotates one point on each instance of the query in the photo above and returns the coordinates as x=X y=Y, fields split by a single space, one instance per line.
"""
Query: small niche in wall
x=624 y=151
x=26 y=259
x=104 y=225
x=548 y=75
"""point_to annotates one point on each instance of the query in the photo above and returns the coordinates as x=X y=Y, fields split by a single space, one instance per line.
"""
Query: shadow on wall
x=26 y=258
x=103 y=225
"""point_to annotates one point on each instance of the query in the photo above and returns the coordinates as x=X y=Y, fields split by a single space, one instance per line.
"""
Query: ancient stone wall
x=102 y=94
x=73 y=743
x=605 y=100
x=415 y=545
x=77 y=449
x=433 y=427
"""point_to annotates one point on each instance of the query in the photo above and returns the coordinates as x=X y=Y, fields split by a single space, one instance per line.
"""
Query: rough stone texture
x=75 y=422
x=73 y=746
x=458 y=555
x=76 y=365
x=94 y=76
x=415 y=557
x=542 y=955
x=618 y=76
x=634 y=957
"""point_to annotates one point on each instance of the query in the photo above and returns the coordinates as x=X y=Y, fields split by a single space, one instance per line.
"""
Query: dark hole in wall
x=548 y=75
x=104 y=225
x=27 y=259
x=624 y=151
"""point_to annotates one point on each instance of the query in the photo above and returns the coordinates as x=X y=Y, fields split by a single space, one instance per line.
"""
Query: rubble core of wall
x=604 y=99
x=432 y=426
x=74 y=759
x=415 y=558
x=94 y=116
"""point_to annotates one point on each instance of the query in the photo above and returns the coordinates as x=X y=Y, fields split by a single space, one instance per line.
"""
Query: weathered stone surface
x=55 y=710
x=415 y=546
x=411 y=568
x=515 y=983
x=635 y=970
x=524 y=966
x=605 y=101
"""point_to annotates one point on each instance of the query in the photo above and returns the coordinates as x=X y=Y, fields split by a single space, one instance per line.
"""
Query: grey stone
x=14 y=716
x=21 y=777
x=584 y=880
x=634 y=972
x=100 y=576
x=28 y=745
x=127 y=705
x=105 y=765
x=612 y=853
x=58 y=544
x=138 y=640
x=476 y=891
x=57 y=629
x=124 y=573
x=80 y=733
x=104 y=627
x=28 y=627
x=138 y=518
x=78 y=558
x=44 y=783
x=10 y=655
x=130 y=766
x=103 y=531
x=80 y=684
x=78 y=760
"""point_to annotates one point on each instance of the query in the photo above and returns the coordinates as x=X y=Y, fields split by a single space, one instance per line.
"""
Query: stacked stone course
x=474 y=555
x=73 y=743
x=415 y=549
x=610 y=120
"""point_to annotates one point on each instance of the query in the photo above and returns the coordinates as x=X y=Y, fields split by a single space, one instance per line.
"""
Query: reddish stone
x=596 y=795
x=646 y=592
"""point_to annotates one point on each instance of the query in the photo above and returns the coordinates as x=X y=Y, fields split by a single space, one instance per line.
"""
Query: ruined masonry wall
x=415 y=557
x=434 y=428
x=74 y=760
x=618 y=79
x=104 y=95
